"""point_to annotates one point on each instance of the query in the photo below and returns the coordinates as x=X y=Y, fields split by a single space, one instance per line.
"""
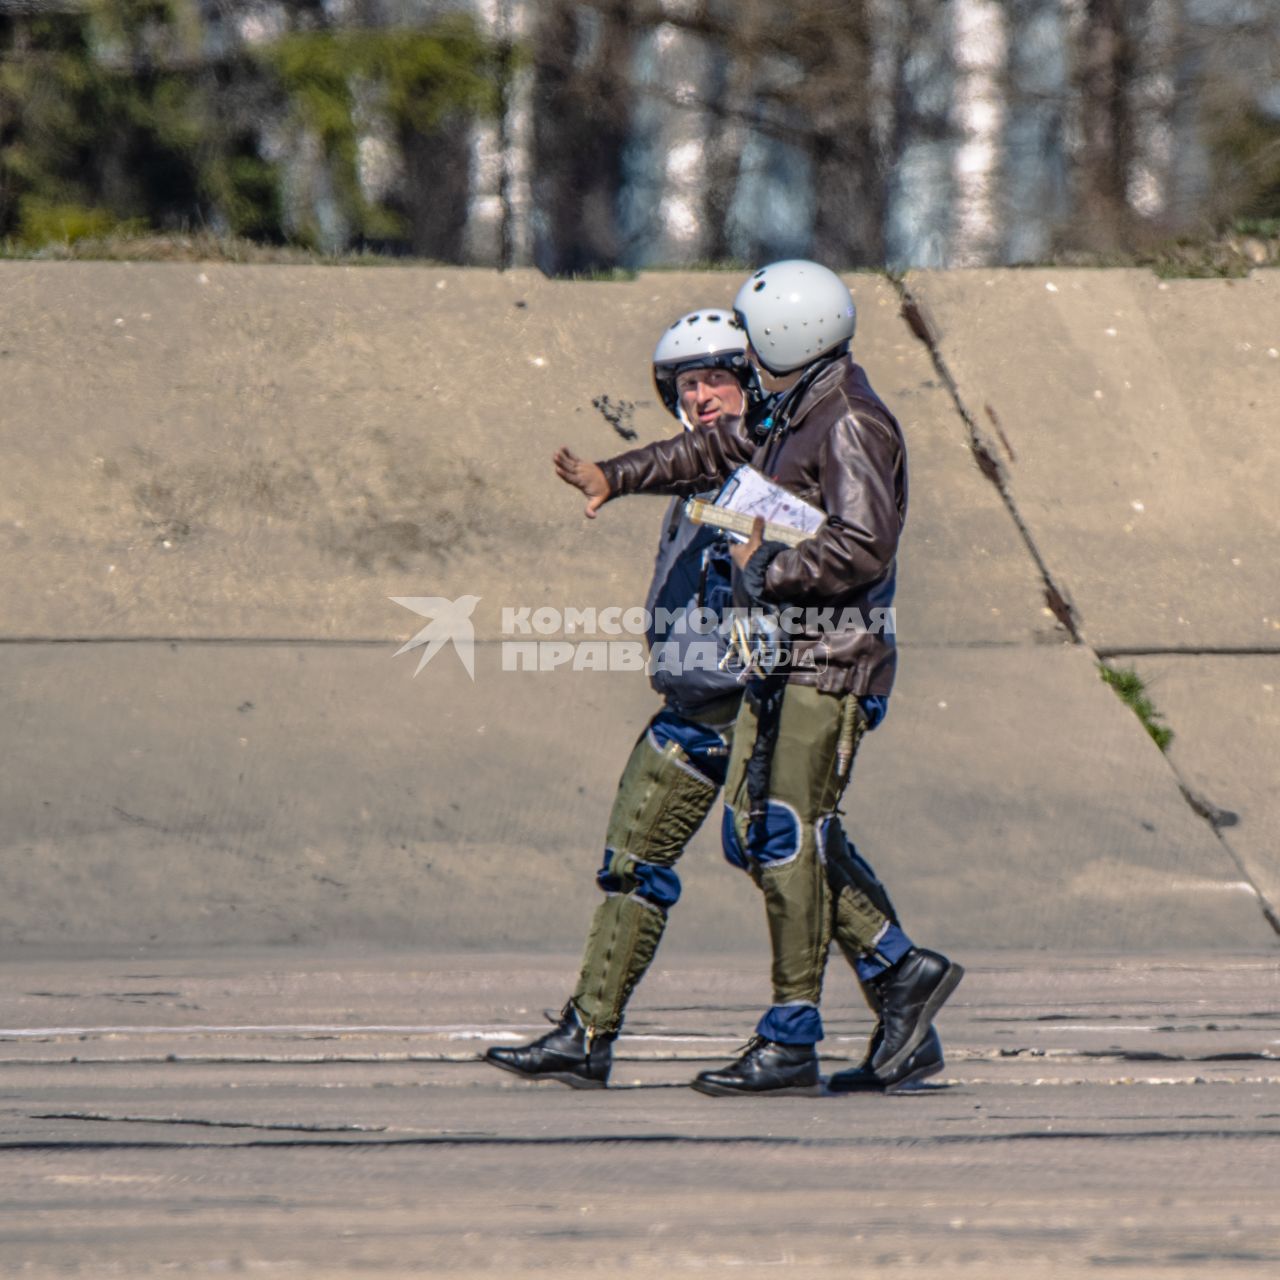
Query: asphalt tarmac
x=324 y=1113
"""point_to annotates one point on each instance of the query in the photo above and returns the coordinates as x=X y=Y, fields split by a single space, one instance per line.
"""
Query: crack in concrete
x=100 y=1117
x=1117 y=1055
x=1215 y=817
x=138 y=820
x=662 y=1139
x=1188 y=651
x=297 y=642
x=1158 y=1019
x=670 y=1049
x=1058 y=600
x=292 y=641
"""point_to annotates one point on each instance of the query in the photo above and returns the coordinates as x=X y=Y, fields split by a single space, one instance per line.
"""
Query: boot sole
x=937 y=998
x=561 y=1077
x=724 y=1091
x=907 y=1083
x=839 y=1091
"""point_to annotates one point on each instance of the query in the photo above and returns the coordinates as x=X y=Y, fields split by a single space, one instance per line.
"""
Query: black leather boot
x=766 y=1068
x=910 y=995
x=926 y=1061
x=563 y=1054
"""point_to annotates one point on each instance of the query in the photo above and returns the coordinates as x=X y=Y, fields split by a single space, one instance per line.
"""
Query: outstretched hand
x=741 y=552
x=585 y=476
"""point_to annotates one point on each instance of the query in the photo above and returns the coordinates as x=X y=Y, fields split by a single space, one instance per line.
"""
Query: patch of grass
x=606 y=275
x=197 y=246
x=702 y=264
x=1133 y=693
x=44 y=222
x=74 y=233
x=1265 y=228
x=1247 y=245
x=420 y=79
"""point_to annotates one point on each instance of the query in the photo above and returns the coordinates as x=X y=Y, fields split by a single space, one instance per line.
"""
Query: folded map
x=747 y=494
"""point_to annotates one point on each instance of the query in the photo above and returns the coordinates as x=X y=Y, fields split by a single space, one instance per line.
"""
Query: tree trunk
x=581 y=112
x=727 y=129
x=849 y=196
x=1105 y=58
x=920 y=196
x=1034 y=166
x=437 y=169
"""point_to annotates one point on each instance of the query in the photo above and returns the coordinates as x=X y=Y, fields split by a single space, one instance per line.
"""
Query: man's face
x=709 y=395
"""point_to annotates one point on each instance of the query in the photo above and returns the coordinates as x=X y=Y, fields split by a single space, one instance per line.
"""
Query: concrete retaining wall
x=216 y=477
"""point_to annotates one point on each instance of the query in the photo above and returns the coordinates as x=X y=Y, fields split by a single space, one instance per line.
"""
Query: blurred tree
x=1240 y=114
x=831 y=46
x=113 y=116
x=428 y=85
x=1105 y=59
x=113 y=120
x=582 y=69
x=1035 y=192
x=857 y=131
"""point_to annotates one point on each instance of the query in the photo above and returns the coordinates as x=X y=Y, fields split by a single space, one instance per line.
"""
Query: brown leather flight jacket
x=836 y=445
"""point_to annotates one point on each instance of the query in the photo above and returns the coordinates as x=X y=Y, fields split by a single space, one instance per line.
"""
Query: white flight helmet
x=794 y=312
x=706 y=339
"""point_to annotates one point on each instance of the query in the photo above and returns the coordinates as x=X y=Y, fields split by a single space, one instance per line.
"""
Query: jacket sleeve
x=860 y=484
x=688 y=463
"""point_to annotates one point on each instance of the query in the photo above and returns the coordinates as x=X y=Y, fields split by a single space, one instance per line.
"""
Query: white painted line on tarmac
x=454 y=1031
x=1041 y=1027
x=738 y=1039
x=450 y=1031
x=1214 y=886
x=464 y=1033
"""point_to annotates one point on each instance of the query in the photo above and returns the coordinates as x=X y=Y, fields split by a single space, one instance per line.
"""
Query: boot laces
x=752 y=1046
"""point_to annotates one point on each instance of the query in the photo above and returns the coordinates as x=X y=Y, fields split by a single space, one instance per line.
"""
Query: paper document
x=751 y=494
x=738 y=526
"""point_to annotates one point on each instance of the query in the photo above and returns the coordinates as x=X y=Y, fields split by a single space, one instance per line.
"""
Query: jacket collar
x=820 y=378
